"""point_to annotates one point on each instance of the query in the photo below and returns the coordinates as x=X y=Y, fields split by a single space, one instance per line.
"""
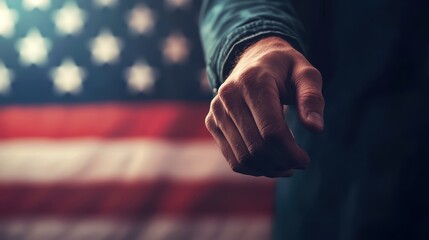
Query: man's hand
x=246 y=117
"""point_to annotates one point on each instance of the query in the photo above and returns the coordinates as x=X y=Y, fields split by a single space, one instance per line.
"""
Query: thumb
x=309 y=98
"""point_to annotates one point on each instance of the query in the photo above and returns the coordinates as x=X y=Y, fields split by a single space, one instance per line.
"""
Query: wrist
x=268 y=54
x=265 y=45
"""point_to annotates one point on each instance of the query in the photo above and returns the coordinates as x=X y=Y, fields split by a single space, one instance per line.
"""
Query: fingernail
x=315 y=118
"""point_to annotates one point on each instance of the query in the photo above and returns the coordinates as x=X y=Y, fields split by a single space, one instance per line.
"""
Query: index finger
x=262 y=96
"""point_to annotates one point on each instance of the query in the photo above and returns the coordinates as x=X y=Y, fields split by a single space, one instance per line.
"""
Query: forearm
x=227 y=27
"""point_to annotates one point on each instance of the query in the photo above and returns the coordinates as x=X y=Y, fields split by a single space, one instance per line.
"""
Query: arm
x=259 y=42
x=227 y=27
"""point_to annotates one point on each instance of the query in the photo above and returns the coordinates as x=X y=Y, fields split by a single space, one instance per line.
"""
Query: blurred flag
x=102 y=106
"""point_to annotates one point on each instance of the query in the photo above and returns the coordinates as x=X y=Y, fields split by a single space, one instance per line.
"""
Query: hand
x=246 y=117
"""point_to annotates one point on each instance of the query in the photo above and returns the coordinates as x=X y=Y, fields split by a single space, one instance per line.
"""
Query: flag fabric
x=102 y=107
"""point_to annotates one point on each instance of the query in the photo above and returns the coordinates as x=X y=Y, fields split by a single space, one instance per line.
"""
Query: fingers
x=309 y=99
x=235 y=148
x=263 y=158
x=246 y=118
x=267 y=111
x=226 y=149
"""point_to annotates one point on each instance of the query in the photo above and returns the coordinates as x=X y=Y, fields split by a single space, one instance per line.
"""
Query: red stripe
x=140 y=200
x=174 y=120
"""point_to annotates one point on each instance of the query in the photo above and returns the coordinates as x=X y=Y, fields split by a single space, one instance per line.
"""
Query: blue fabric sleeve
x=227 y=27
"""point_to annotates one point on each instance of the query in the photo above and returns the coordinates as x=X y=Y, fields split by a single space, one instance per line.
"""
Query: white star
x=175 y=49
x=140 y=77
x=8 y=20
x=6 y=77
x=105 y=48
x=140 y=20
x=40 y=4
x=105 y=3
x=177 y=3
x=33 y=49
x=68 y=77
x=69 y=19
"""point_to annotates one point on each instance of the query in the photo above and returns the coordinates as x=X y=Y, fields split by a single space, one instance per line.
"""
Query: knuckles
x=227 y=91
x=283 y=56
x=270 y=132
x=216 y=108
x=312 y=97
x=252 y=77
x=228 y=95
x=209 y=121
x=308 y=72
x=257 y=149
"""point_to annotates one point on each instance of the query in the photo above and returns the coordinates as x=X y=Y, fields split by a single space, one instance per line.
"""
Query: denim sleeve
x=228 y=26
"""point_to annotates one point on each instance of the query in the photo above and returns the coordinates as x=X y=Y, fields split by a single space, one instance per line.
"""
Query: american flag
x=102 y=106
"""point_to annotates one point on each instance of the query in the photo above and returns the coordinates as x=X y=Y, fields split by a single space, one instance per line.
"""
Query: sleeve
x=227 y=27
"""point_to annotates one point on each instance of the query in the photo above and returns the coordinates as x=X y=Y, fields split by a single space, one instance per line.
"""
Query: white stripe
x=40 y=161
x=156 y=229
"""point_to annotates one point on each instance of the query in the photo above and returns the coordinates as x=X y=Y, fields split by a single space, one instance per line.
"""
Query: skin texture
x=246 y=117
